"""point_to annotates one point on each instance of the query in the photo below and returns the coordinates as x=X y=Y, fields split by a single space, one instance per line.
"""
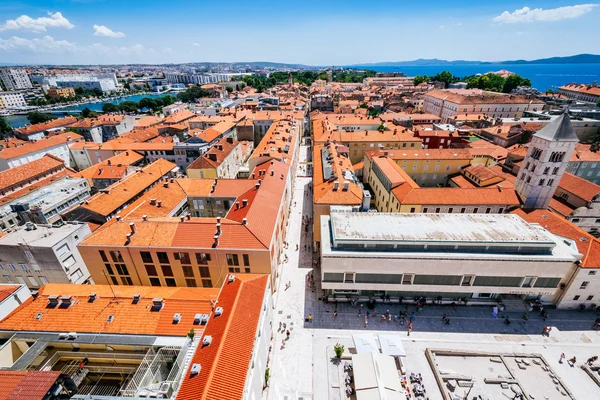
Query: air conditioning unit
x=165 y=390
x=206 y=341
x=218 y=311
x=177 y=318
x=195 y=369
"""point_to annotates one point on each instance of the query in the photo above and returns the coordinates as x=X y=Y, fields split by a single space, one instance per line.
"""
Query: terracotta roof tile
x=128 y=317
x=579 y=187
x=324 y=192
x=39 y=184
x=30 y=170
x=6 y=291
x=44 y=126
x=8 y=153
x=26 y=385
x=215 y=155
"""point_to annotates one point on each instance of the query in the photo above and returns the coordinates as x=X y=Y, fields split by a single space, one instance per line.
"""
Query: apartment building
x=104 y=127
x=86 y=154
x=193 y=232
x=13 y=155
x=585 y=163
x=15 y=78
x=281 y=142
x=581 y=92
x=578 y=201
x=334 y=183
x=223 y=160
x=395 y=191
x=36 y=254
x=40 y=131
x=450 y=256
x=107 y=82
x=450 y=102
x=105 y=205
x=107 y=172
x=12 y=100
x=134 y=342
x=58 y=93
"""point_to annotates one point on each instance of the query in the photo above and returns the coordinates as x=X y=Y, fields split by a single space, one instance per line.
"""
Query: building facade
x=15 y=78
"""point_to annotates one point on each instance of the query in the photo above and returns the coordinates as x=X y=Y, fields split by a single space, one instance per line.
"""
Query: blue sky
x=305 y=31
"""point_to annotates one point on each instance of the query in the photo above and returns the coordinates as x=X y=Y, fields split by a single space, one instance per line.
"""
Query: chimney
x=218 y=228
x=189 y=217
x=181 y=218
x=244 y=203
x=158 y=203
x=237 y=205
x=244 y=221
x=212 y=156
x=216 y=243
x=118 y=217
x=336 y=185
x=219 y=219
x=152 y=202
x=272 y=172
x=132 y=227
x=109 y=162
x=346 y=186
x=166 y=184
x=145 y=217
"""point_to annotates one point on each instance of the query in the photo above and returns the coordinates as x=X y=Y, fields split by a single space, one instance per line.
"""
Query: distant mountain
x=577 y=59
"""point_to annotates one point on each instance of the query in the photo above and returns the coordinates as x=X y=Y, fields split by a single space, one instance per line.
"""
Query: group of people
x=310 y=282
x=571 y=361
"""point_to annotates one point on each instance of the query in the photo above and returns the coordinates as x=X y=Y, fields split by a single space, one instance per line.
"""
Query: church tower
x=544 y=165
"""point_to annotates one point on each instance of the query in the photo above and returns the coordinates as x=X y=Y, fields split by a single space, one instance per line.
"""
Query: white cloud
x=25 y=22
x=441 y=26
x=47 y=44
x=527 y=14
x=196 y=44
x=101 y=30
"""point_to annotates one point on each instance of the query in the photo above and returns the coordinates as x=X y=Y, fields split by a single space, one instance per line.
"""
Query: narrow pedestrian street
x=291 y=364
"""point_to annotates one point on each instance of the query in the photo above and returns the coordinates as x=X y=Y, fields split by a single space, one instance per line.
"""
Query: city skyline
x=105 y=31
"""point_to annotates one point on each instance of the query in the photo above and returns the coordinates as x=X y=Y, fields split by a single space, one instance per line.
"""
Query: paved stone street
x=303 y=368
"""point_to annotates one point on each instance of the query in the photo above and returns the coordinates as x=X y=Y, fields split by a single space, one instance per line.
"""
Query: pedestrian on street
x=562 y=357
x=334 y=315
x=443 y=316
x=412 y=316
x=283 y=343
x=287 y=333
x=410 y=324
x=572 y=361
x=366 y=321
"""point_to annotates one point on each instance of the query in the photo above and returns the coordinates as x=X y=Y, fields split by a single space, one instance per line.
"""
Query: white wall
x=13 y=301
x=592 y=276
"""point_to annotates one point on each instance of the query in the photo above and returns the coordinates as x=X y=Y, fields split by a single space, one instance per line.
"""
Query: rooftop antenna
x=109 y=284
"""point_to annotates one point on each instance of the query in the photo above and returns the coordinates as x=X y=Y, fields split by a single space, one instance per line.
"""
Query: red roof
x=26 y=385
x=6 y=291
x=226 y=361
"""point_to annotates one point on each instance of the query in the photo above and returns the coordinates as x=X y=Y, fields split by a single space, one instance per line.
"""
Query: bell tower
x=544 y=165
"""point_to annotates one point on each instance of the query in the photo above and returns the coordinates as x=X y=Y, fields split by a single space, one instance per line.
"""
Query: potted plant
x=339 y=350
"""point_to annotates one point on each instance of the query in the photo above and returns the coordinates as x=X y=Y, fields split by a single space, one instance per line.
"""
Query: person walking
x=366 y=321
x=334 y=315
x=562 y=357
x=410 y=325
x=572 y=361
x=287 y=333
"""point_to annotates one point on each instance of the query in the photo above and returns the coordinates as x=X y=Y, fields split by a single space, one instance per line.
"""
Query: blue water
x=17 y=121
x=542 y=76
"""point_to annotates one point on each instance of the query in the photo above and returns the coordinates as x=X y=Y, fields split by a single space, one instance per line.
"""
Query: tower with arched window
x=544 y=165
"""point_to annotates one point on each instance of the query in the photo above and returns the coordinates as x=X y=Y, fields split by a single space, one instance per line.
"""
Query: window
x=34 y=267
x=542 y=182
x=546 y=170
x=188 y=271
x=20 y=280
x=488 y=210
x=412 y=209
x=28 y=254
x=190 y=282
x=590 y=298
x=62 y=250
x=166 y=270
x=546 y=282
x=442 y=280
x=502 y=281
x=204 y=272
x=527 y=282
x=32 y=281
x=206 y=283
x=234 y=270
x=232 y=259
x=103 y=256
x=184 y=258
x=151 y=270
x=379 y=278
x=121 y=269
x=462 y=210
x=69 y=262
x=467 y=280
x=555 y=171
x=163 y=258
x=475 y=210
x=407 y=279
x=246 y=260
x=155 y=281
x=8 y=279
x=202 y=258
x=584 y=285
x=247 y=270
x=126 y=281
x=114 y=280
x=170 y=282
x=116 y=256
x=11 y=267
x=43 y=279
x=24 y=267
x=349 y=277
x=425 y=209
x=576 y=298
x=333 y=277
x=146 y=257
x=109 y=269
x=76 y=275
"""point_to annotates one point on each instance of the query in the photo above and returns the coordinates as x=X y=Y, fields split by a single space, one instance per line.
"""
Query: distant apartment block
x=105 y=82
x=581 y=92
x=195 y=79
x=57 y=93
x=35 y=255
x=15 y=78
x=12 y=100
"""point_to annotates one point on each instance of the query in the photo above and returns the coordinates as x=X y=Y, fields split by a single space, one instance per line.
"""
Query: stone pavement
x=291 y=366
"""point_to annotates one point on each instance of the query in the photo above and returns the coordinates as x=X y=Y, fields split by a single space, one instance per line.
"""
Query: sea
x=17 y=121
x=542 y=76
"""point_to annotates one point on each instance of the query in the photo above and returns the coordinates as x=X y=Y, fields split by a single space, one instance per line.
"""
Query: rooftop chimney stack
x=118 y=217
x=145 y=217
x=244 y=221
x=132 y=227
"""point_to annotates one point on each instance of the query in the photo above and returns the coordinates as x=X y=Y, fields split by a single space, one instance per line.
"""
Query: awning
x=365 y=343
x=391 y=345
x=376 y=377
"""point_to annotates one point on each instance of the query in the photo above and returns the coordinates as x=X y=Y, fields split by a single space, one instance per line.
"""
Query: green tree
x=128 y=106
x=598 y=103
x=192 y=94
x=79 y=90
x=127 y=86
x=148 y=103
x=36 y=117
x=446 y=77
x=97 y=92
x=86 y=112
x=229 y=89
x=514 y=81
x=110 y=108
x=4 y=128
x=420 y=79
x=167 y=100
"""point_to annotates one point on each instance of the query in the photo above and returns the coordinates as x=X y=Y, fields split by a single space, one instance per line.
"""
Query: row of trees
x=80 y=94
x=145 y=103
x=490 y=82
x=261 y=83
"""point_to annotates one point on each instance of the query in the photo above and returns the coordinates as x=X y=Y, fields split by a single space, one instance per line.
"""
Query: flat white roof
x=474 y=228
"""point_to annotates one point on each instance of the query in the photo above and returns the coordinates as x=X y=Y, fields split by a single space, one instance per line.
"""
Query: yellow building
x=395 y=191
x=61 y=92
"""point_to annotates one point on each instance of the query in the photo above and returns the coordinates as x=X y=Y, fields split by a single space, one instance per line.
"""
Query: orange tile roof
x=6 y=291
x=44 y=126
x=215 y=155
x=42 y=144
x=128 y=317
x=121 y=193
x=226 y=361
x=477 y=96
x=582 y=153
x=560 y=208
x=482 y=172
x=178 y=117
x=121 y=161
x=587 y=245
x=581 y=88
x=394 y=134
x=147 y=121
x=324 y=192
x=138 y=135
x=26 y=385
x=579 y=187
x=460 y=196
x=101 y=120
x=421 y=154
x=390 y=169
x=279 y=136
x=462 y=182
x=22 y=173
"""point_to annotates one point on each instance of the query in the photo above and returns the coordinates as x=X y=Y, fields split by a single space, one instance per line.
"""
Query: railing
x=84 y=354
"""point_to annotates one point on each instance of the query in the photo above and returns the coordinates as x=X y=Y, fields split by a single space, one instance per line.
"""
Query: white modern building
x=12 y=100
x=38 y=254
x=106 y=82
x=196 y=79
x=15 y=78
x=468 y=256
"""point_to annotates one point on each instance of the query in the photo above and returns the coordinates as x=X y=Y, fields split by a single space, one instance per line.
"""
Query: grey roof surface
x=473 y=228
x=559 y=130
